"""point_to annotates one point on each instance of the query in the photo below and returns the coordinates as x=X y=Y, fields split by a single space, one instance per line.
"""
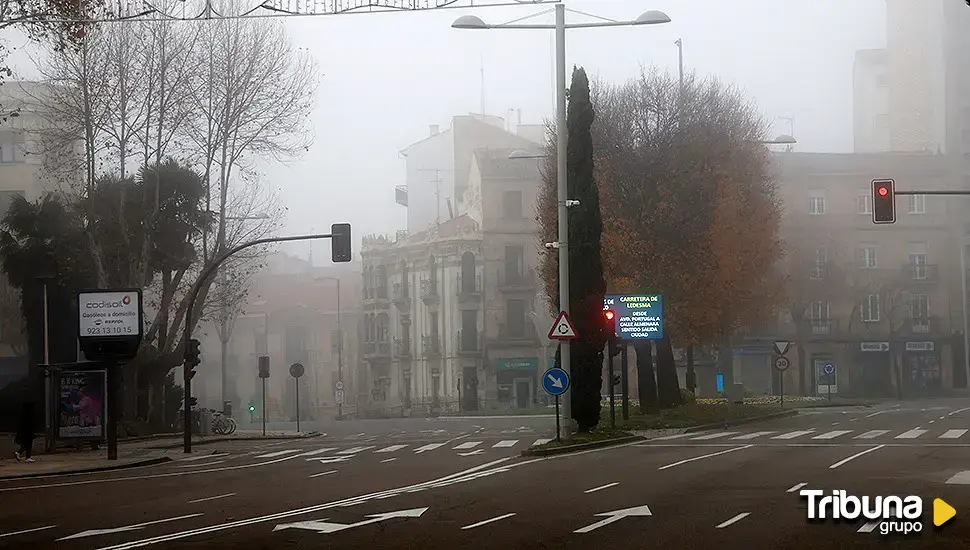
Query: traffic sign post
x=781 y=364
x=555 y=382
x=829 y=370
x=296 y=371
x=263 y=369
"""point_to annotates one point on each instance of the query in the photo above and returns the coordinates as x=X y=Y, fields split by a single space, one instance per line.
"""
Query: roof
x=494 y=163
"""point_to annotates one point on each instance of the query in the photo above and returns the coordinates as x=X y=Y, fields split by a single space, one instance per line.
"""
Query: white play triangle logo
x=562 y=329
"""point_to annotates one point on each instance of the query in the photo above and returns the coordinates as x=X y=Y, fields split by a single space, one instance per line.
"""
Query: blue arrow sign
x=555 y=381
x=829 y=368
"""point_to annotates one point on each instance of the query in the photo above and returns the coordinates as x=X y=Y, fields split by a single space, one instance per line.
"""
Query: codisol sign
x=109 y=324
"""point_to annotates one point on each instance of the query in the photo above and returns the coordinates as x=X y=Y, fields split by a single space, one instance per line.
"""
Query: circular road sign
x=782 y=363
x=296 y=370
x=555 y=381
x=338 y=385
x=829 y=368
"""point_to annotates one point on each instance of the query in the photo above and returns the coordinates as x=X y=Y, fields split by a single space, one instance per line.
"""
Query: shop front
x=873 y=375
x=921 y=373
x=516 y=381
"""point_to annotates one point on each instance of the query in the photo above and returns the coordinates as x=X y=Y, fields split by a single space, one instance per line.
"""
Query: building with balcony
x=881 y=303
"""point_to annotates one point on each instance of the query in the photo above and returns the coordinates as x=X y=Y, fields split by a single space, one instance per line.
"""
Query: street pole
x=340 y=350
x=966 y=316
x=609 y=348
x=625 y=379
x=223 y=335
x=562 y=196
x=297 y=381
x=49 y=414
x=680 y=62
x=263 y=415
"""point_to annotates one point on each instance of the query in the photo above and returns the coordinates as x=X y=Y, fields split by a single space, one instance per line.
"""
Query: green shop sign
x=518 y=363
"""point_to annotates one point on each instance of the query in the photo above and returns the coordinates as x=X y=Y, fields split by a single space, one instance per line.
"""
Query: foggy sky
x=386 y=77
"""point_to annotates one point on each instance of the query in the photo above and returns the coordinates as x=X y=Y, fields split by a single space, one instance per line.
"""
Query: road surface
x=731 y=488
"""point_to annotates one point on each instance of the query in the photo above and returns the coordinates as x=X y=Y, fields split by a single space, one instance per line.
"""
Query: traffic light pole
x=194 y=295
x=610 y=345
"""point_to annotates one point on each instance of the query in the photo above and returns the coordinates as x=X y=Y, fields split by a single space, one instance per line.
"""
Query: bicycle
x=221 y=424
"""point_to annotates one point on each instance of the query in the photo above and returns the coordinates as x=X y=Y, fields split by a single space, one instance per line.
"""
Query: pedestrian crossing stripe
x=915 y=433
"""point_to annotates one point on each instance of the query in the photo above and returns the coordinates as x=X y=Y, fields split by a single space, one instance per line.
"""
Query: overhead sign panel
x=109 y=313
x=638 y=316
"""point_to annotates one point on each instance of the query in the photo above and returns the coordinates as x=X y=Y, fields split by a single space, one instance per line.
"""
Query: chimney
x=434 y=129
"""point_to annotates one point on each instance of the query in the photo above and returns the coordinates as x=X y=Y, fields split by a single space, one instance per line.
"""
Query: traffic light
x=252 y=408
x=610 y=316
x=340 y=250
x=193 y=402
x=617 y=379
x=883 y=201
x=192 y=360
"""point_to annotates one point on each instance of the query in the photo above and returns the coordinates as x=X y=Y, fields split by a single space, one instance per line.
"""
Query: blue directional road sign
x=555 y=381
x=829 y=368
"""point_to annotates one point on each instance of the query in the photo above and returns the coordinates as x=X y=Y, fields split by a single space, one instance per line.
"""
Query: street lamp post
x=651 y=17
x=340 y=344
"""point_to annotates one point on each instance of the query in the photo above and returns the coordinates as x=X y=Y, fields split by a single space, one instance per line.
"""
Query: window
x=512 y=201
x=917 y=204
x=515 y=317
x=920 y=308
x=514 y=262
x=868 y=256
x=882 y=80
x=864 y=204
x=818 y=311
x=816 y=203
x=821 y=259
x=11 y=147
x=869 y=309
x=918 y=262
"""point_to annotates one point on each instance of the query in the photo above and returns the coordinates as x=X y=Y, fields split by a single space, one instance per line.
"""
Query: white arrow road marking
x=472 y=453
x=25 y=531
x=428 y=447
x=616 y=515
x=487 y=521
x=324 y=527
x=556 y=382
x=137 y=526
x=733 y=520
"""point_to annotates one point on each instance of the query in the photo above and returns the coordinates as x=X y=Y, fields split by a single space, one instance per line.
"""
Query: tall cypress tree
x=586 y=283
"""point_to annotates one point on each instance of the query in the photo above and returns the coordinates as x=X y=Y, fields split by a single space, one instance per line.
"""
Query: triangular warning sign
x=562 y=329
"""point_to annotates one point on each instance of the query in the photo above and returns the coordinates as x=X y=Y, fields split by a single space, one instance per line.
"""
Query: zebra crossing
x=476 y=447
x=819 y=435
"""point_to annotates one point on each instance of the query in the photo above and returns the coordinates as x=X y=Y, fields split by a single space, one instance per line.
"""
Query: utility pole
x=680 y=62
x=437 y=191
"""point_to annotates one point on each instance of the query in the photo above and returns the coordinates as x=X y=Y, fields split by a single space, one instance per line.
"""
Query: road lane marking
x=601 y=487
x=871 y=434
x=391 y=449
x=324 y=473
x=877 y=413
x=202 y=457
x=318 y=451
x=135 y=527
x=712 y=436
x=793 y=435
x=389 y=460
x=428 y=447
x=354 y=450
x=868 y=527
x=487 y=521
x=911 y=434
x=832 y=435
x=25 y=531
x=953 y=434
x=674 y=436
x=194 y=465
x=467 y=445
x=796 y=487
x=211 y=498
x=505 y=443
x=855 y=456
x=733 y=520
x=541 y=441
x=752 y=435
x=958 y=411
x=279 y=453
x=702 y=457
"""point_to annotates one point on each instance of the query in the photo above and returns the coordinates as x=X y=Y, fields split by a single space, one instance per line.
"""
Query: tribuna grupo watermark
x=895 y=514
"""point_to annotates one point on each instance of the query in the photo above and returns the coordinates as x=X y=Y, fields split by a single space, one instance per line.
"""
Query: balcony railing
x=401 y=294
x=516 y=281
x=823 y=327
x=402 y=347
x=924 y=324
x=468 y=342
x=429 y=290
x=921 y=273
x=469 y=288
x=508 y=334
x=431 y=345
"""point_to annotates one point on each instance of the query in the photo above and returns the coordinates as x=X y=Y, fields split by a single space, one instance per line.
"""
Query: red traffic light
x=609 y=314
x=883 y=191
x=883 y=201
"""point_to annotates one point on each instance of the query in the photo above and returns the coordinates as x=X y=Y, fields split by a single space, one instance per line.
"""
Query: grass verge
x=688 y=416
x=600 y=434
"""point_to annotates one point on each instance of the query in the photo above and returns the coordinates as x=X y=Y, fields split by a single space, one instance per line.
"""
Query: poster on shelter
x=81 y=405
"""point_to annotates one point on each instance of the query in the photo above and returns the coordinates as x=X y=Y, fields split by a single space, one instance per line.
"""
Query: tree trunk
x=646 y=383
x=668 y=387
x=156 y=411
x=725 y=363
x=804 y=381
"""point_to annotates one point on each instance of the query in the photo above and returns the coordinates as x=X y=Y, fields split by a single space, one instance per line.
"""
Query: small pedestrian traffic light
x=610 y=317
x=883 y=201
x=252 y=408
x=340 y=249
x=192 y=353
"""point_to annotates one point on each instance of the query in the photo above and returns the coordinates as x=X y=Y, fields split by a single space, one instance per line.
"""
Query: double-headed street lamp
x=651 y=17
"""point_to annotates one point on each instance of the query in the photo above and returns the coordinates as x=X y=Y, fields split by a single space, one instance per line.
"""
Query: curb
x=580 y=446
x=93 y=469
x=742 y=421
x=240 y=438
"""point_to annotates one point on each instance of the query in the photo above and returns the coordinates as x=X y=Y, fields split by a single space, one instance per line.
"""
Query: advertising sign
x=115 y=313
x=81 y=406
x=638 y=316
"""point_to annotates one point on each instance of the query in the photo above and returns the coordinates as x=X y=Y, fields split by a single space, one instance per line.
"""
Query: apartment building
x=451 y=311
x=880 y=303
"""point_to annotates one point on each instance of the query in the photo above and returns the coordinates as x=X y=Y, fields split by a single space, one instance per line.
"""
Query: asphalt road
x=439 y=490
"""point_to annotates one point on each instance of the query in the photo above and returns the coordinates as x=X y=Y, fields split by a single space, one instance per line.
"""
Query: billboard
x=81 y=405
x=638 y=316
